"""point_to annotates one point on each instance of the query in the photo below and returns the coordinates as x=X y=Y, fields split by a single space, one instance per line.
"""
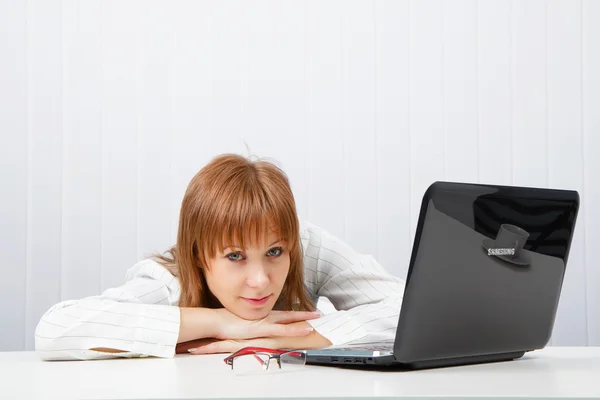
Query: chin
x=256 y=314
x=253 y=313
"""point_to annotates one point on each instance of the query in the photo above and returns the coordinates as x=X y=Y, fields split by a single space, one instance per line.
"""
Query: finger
x=287 y=330
x=223 y=346
x=182 y=348
x=286 y=317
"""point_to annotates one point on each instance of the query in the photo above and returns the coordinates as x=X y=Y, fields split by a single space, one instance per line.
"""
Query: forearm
x=69 y=330
x=196 y=323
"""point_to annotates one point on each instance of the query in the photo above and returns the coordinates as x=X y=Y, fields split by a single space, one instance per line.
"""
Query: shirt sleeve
x=139 y=318
x=367 y=298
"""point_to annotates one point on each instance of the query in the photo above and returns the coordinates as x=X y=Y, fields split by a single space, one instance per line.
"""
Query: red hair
x=235 y=200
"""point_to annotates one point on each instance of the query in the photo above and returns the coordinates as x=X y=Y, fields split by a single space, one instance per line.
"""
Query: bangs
x=233 y=201
x=255 y=212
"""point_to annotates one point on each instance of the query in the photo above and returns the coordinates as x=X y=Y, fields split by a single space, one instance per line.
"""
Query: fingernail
x=194 y=349
x=317 y=313
x=309 y=329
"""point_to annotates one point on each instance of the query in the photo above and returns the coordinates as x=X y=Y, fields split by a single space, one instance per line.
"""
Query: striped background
x=107 y=109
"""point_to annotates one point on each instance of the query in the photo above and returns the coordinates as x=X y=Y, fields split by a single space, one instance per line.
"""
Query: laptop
x=484 y=278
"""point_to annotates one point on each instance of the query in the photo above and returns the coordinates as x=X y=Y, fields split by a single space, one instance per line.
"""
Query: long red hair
x=235 y=200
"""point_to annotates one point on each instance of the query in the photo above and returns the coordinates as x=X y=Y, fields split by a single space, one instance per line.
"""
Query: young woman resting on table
x=243 y=272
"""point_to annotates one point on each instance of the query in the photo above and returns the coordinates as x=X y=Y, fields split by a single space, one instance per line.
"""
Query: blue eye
x=234 y=256
x=275 y=252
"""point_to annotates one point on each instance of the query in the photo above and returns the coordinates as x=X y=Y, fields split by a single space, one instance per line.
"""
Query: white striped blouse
x=141 y=317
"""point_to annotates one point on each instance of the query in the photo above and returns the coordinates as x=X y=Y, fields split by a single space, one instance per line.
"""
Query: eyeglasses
x=251 y=360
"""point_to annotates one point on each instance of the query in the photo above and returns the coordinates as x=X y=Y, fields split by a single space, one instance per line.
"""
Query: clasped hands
x=279 y=330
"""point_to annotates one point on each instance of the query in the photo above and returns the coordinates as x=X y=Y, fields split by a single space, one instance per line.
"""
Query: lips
x=256 y=301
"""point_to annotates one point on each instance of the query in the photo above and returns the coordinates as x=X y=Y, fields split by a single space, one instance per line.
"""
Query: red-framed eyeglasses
x=255 y=359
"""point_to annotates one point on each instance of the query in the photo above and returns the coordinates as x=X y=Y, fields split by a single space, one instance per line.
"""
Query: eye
x=234 y=256
x=275 y=252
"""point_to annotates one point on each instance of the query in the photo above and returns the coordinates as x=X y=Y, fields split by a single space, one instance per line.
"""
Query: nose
x=257 y=276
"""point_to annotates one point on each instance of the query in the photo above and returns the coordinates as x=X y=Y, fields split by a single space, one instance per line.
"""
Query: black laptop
x=484 y=279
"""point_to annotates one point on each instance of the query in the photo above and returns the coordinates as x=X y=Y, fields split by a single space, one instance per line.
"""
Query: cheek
x=220 y=281
x=282 y=270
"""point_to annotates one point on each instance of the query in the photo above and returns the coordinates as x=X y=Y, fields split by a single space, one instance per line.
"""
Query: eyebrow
x=275 y=242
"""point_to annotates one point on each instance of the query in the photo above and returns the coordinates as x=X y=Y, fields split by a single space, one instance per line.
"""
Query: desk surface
x=567 y=372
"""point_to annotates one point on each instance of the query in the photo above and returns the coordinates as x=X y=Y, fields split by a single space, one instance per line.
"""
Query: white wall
x=107 y=109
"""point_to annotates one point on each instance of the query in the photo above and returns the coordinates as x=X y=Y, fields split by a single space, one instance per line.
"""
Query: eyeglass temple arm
x=253 y=351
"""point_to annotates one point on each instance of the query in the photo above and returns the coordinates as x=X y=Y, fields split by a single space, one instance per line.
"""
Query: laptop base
x=389 y=361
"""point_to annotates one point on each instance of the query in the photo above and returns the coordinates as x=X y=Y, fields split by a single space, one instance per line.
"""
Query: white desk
x=569 y=372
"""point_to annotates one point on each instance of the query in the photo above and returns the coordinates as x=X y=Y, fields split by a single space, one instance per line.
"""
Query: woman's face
x=248 y=282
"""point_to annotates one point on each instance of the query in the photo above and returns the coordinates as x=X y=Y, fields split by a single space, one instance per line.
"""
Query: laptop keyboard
x=383 y=346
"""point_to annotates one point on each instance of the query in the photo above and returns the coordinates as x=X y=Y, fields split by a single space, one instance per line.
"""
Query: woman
x=243 y=272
